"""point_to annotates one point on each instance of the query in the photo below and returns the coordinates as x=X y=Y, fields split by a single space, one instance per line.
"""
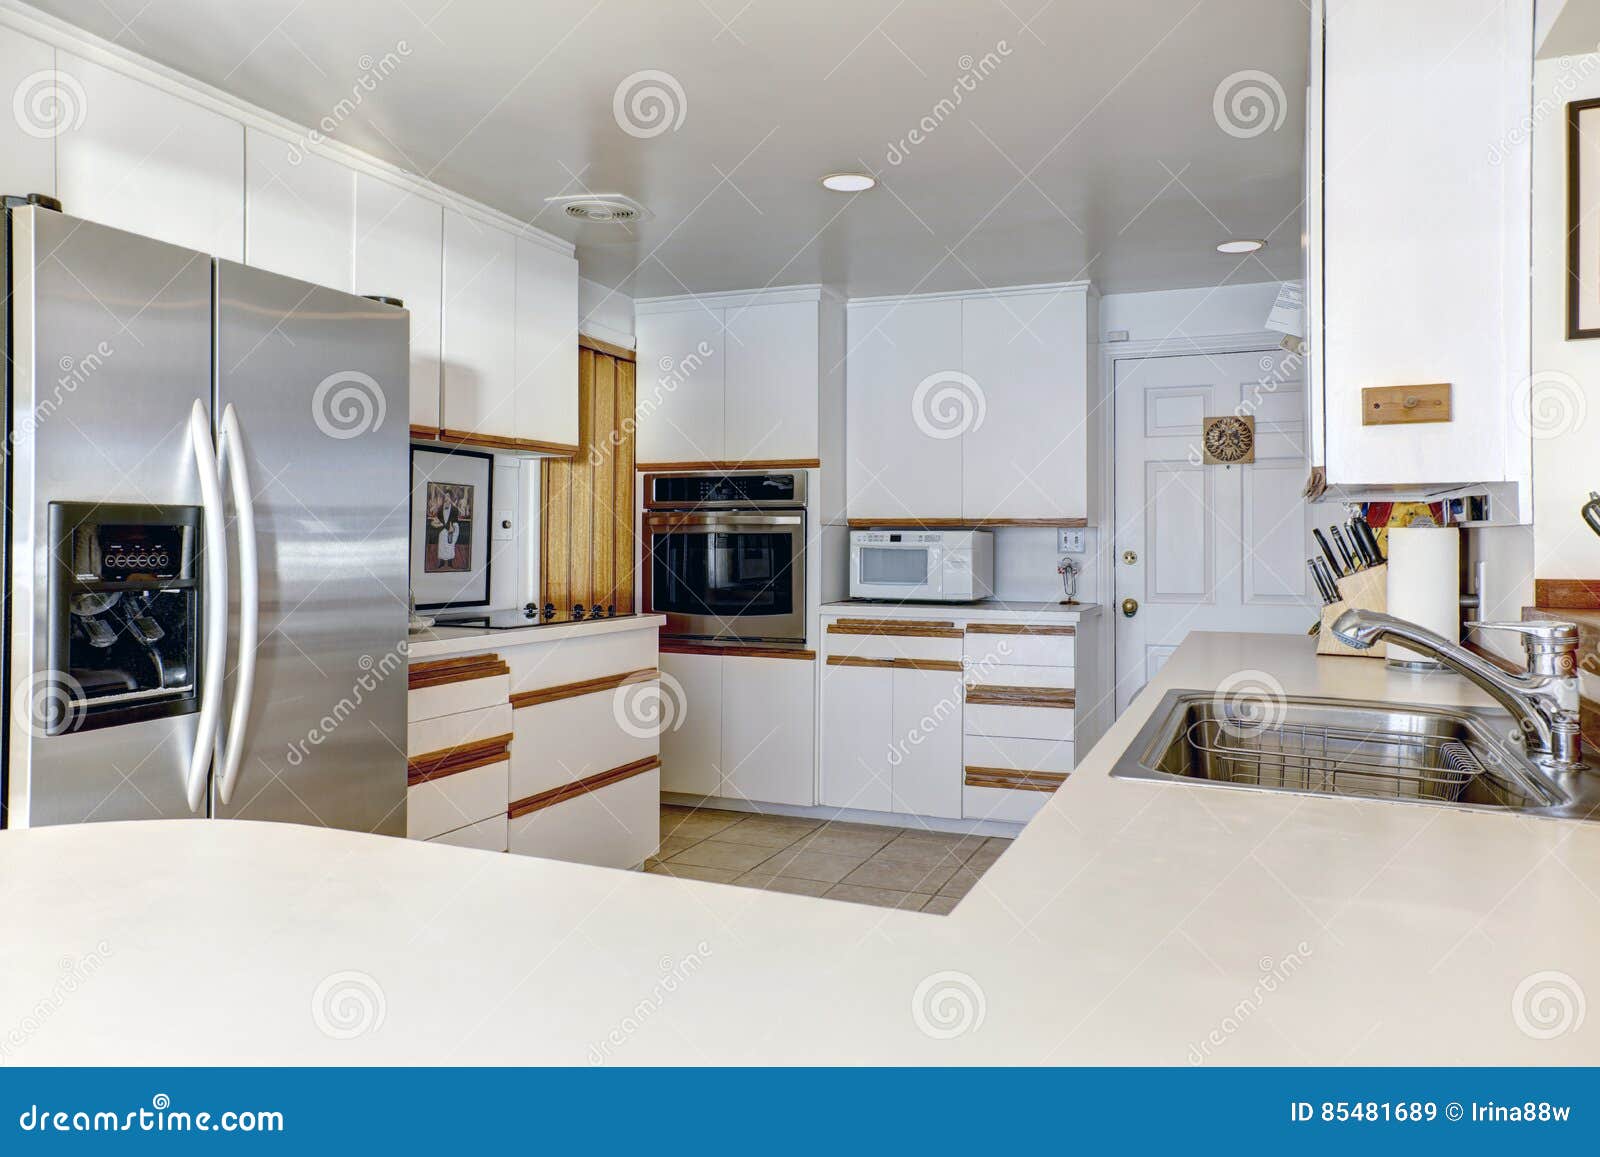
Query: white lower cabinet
x=486 y=835
x=613 y=827
x=857 y=737
x=691 y=739
x=925 y=757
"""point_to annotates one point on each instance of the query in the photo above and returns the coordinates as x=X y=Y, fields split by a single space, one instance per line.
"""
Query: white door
x=768 y=730
x=926 y=757
x=1208 y=548
x=479 y=334
x=857 y=723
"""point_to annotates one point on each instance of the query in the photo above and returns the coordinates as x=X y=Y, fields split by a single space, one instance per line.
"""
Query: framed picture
x=1583 y=219
x=452 y=498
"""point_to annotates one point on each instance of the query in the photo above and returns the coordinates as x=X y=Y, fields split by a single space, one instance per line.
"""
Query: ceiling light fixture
x=1241 y=245
x=848 y=182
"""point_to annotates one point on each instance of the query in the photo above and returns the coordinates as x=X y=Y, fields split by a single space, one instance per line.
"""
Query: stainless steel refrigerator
x=206 y=516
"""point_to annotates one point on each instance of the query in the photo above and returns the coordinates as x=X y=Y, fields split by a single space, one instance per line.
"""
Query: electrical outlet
x=505 y=527
x=1070 y=541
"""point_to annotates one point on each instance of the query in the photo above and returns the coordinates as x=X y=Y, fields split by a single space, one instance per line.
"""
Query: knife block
x=1367 y=589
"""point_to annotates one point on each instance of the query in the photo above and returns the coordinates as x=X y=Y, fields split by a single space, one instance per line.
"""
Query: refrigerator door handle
x=231 y=461
x=215 y=600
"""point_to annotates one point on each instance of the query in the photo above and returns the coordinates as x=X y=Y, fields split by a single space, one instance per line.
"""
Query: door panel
x=926 y=753
x=319 y=380
x=857 y=729
x=1179 y=504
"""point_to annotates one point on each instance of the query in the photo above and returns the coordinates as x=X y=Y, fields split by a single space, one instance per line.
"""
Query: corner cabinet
x=978 y=407
x=1424 y=240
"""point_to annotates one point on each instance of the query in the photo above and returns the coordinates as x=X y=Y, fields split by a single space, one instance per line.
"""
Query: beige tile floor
x=890 y=867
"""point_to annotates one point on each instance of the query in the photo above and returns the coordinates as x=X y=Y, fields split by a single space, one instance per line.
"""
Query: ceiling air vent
x=601 y=208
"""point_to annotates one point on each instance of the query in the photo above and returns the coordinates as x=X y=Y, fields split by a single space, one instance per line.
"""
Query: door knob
x=1130 y=607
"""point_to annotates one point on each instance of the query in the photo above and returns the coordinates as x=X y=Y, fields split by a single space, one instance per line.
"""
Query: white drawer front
x=443 y=732
x=489 y=835
x=1019 y=722
x=996 y=674
x=566 y=740
x=1020 y=650
x=993 y=803
x=574 y=660
x=454 y=698
x=616 y=827
x=451 y=801
x=946 y=646
x=1015 y=754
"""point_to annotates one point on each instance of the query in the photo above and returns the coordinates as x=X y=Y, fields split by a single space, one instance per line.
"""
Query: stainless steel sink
x=1456 y=756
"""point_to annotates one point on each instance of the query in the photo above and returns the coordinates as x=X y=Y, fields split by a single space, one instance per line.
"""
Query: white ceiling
x=1091 y=148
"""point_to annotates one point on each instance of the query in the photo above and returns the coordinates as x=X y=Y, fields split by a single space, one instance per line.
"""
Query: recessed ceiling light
x=1241 y=245
x=848 y=182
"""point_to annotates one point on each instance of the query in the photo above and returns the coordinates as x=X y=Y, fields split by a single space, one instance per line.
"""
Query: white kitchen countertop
x=988 y=608
x=439 y=641
x=1131 y=922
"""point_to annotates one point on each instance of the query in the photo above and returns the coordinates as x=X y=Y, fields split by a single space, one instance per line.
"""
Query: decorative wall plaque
x=1229 y=440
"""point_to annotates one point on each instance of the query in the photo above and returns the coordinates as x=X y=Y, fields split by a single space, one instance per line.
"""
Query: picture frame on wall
x=452 y=497
x=1583 y=219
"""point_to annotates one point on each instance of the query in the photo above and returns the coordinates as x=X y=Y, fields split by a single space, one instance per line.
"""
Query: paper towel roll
x=1425 y=584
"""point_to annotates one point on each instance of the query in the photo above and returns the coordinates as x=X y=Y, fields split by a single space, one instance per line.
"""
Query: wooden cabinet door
x=480 y=286
x=27 y=139
x=926 y=768
x=857 y=722
x=680 y=387
x=299 y=211
x=904 y=452
x=151 y=162
x=546 y=346
x=767 y=729
x=399 y=238
x=1028 y=356
x=770 y=404
x=691 y=724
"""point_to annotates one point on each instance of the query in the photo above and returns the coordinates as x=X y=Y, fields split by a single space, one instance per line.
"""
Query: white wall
x=605 y=313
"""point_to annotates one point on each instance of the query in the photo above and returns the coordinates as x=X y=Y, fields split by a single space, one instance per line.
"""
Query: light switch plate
x=1069 y=541
x=505 y=525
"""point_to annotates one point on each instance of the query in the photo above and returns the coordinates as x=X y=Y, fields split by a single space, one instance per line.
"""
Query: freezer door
x=110 y=342
x=318 y=381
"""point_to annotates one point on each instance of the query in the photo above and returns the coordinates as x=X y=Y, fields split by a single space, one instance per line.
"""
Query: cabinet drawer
x=989 y=803
x=489 y=835
x=1022 y=712
x=561 y=740
x=460 y=683
x=1005 y=675
x=452 y=801
x=614 y=825
x=935 y=639
x=1008 y=753
x=1023 y=646
x=443 y=732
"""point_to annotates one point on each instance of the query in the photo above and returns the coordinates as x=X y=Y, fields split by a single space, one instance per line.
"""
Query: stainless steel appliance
x=940 y=566
x=206 y=558
x=725 y=555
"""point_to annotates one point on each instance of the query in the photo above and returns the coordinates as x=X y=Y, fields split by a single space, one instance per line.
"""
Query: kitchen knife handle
x=1344 y=550
x=1370 y=537
x=1316 y=577
x=1327 y=551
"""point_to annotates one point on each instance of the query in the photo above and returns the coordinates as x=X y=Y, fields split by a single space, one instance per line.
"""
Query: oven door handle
x=670 y=522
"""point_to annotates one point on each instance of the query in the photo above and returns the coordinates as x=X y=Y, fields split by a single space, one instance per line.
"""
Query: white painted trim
x=740 y=299
x=605 y=333
x=970 y=294
x=64 y=36
x=961 y=827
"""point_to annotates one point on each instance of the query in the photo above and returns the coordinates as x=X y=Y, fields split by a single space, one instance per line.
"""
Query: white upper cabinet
x=148 y=161
x=546 y=345
x=903 y=404
x=1425 y=234
x=27 y=138
x=299 y=211
x=399 y=237
x=1027 y=357
x=480 y=361
x=770 y=406
x=680 y=385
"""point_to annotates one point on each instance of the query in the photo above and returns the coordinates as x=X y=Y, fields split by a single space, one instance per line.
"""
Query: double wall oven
x=724 y=555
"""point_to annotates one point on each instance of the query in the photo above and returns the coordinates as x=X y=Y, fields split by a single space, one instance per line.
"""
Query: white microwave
x=941 y=566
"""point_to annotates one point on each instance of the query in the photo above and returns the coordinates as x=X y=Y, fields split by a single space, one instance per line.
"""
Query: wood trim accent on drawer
x=905 y=628
x=960 y=523
x=456 y=669
x=568 y=791
x=1014 y=780
x=1566 y=594
x=585 y=687
x=726 y=464
x=1017 y=629
x=621 y=352
x=895 y=664
x=678 y=647
x=465 y=757
x=1000 y=696
x=424 y=433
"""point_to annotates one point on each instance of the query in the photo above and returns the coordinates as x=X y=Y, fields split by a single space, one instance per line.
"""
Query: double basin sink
x=1464 y=757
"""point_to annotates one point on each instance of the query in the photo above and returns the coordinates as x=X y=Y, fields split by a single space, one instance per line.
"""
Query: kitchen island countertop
x=1130 y=922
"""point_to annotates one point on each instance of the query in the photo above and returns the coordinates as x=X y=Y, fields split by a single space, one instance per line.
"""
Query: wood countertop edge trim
x=1012 y=779
x=583 y=687
x=596 y=782
x=435 y=765
x=743 y=652
x=454 y=669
